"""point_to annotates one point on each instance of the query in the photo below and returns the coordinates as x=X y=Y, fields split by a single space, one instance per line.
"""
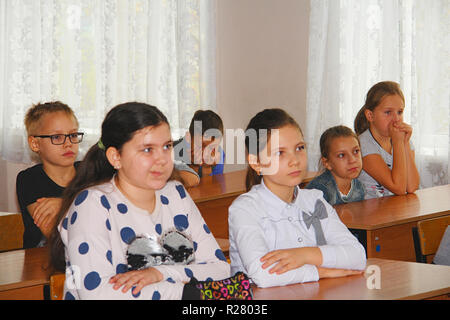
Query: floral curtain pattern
x=93 y=55
x=355 y=44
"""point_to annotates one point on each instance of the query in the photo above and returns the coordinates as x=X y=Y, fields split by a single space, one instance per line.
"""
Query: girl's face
x=63 y=155
x=344 y=158
x=146 y=161
x=389 y=110
x=284 y=160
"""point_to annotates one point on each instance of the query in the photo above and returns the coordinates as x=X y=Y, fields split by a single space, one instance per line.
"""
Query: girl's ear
x=113 y=156
x=326 y=163
x=254 y=163
x=33 y=143
x=369 y=115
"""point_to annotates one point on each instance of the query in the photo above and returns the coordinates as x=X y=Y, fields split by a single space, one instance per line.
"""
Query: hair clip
x=101 y=145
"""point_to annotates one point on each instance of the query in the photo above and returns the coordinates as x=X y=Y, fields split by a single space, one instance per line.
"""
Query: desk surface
x=226 y=185
x=393 y=210
x=399 y=280
x=23 y=268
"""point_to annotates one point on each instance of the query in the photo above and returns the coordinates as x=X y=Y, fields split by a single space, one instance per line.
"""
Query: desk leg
x=361 y=235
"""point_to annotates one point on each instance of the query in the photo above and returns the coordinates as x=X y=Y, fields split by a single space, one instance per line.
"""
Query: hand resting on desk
x=289 y=259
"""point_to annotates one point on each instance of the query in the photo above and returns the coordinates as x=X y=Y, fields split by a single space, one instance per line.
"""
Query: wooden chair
x=427 y=237
x=11 y=231
x=57 y=286
x=224 y=245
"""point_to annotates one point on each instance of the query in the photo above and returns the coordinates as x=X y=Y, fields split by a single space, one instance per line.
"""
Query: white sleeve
x=343 y=250
x=248 y=236
x=210 y=262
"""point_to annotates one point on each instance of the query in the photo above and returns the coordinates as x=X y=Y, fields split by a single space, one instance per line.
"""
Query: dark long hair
x=118 y=127
x=261 y=124
x=373 y=99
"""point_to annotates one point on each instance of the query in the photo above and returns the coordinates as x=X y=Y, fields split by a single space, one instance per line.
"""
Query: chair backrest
x=429 y=235
x=11 y=231
x=57 y=286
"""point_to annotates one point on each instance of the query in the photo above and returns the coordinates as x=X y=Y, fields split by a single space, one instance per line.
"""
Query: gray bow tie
x=320 y=213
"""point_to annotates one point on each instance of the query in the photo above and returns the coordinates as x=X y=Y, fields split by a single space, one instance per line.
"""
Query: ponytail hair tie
x=101 y=145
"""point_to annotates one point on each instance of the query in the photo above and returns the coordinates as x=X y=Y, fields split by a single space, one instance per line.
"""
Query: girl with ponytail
x=271 y=236
x=386 y=150
x=126 y=230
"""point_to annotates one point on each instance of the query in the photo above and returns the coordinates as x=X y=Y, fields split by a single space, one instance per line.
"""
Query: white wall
x=8 y=173
x=262 y=58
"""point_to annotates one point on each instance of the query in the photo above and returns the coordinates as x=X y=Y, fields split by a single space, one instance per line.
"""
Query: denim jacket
x=326 y=183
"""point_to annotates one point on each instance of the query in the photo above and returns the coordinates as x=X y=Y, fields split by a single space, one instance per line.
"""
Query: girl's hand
x=138 y=278
x=336 y=273
x=395 y=133
x=406 y=128
x=289 y=259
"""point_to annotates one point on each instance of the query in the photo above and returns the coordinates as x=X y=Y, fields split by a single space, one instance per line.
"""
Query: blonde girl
x=386 y=149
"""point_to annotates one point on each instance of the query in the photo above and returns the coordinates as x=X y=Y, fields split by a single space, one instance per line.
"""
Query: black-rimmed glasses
x=75 y=137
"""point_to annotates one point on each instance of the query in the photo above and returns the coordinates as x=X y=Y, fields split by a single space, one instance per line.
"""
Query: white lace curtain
x=354 y=44
x=93 y=55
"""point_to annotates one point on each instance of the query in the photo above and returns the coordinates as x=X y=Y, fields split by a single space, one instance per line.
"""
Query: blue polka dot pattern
x=65 y=223
x=219 y=254
x=206 y=228
x=69 y=296
x=156 y=295
x=121 y=268
x=127 y=234
x=135 y=295
x=109 y=256
x=188 y=272
x=158 y=228
x=181 y=191
x=105 y=202
x=122 y=208
x=92 y=280
x=164 y=200
x=83 y=248
x=73 y=218
x=181 y=222
x=195 y=246
x=209 y=279
x=170 y=280
x=108 y=225
x=81 y=197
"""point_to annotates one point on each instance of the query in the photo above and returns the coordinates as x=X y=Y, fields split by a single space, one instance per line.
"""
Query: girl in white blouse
x=128 y=231
x=281 y=234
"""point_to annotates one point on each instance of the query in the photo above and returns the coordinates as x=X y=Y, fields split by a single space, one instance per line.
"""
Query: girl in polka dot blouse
x=124 y=190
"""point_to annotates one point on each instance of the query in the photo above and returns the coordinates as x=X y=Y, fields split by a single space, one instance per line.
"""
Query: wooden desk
x=23 y=274
x=399 y=280
x=215 y=194
x=385 y=224
x=11 y=231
